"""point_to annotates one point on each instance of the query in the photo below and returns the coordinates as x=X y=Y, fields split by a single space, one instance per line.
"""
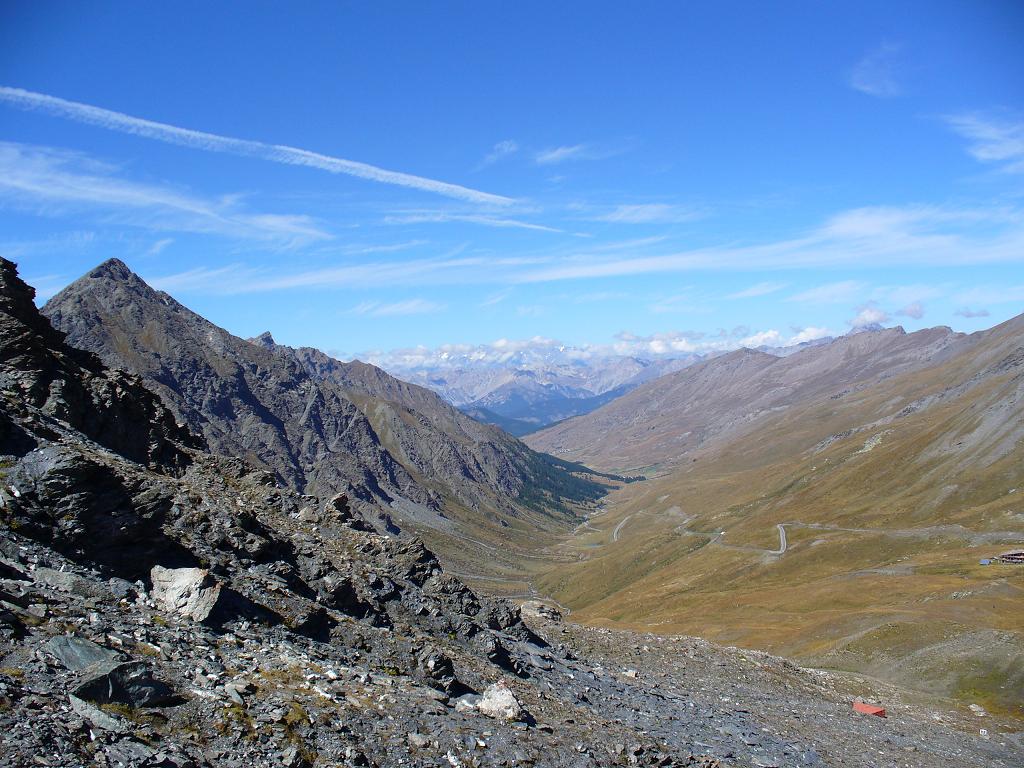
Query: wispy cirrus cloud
x=992 y=139
x=448 y=269
x=969 y=313
x=912 y=236
x=760 y=289
x=875 y=74
x=500 y=151
x=157 y=247
x=467 y=218
x=651 y=213
x=495 y=298
x=397 y=308
x=582 y=151
x=52 y=180
x=210 y=142
x=554 y=155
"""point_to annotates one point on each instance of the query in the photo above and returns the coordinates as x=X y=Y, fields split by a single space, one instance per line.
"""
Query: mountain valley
x=223 y=571
x=325 y=427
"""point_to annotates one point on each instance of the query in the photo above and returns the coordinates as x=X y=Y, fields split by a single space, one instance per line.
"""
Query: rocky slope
x=659 y=423
x=321 y=427
x=174 y=609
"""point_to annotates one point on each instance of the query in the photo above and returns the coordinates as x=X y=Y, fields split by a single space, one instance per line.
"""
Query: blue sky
x=390 y=175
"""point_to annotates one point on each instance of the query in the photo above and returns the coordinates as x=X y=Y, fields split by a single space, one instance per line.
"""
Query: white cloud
x=397 y=308
x=869 y=314
x=762 y=339
x=992 y=139
x=54 y=180
x=667 y=345
x=875 y=73
x=810 y=333
x=658 y=345
x=651 y=213
x=209 y=142
x=761 y=289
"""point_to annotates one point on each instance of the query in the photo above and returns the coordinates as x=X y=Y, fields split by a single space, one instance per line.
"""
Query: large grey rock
x=131 y=683
x=77 y=653
x=190 y=592
x=535 y=609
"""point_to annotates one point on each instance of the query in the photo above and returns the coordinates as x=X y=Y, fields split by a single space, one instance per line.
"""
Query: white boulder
x=190 y=592
x=499 y=702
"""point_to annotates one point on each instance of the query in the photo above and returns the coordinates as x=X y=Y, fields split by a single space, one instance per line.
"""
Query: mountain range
x=660 y=422
x=528 y=390
x=319 y=425
x=161 y=605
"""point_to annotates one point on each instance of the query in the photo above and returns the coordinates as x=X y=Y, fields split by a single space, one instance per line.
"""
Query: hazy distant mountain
x=665 y=419
x=321 y=426
x=532 y=389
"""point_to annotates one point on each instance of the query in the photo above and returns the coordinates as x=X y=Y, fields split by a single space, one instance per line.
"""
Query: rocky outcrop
x=38 y=371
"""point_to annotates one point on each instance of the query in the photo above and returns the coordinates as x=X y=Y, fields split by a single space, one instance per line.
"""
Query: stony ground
x=812 y=707
x=376 y=695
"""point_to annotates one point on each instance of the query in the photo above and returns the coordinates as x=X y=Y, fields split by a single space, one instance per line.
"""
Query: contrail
x=211 y=142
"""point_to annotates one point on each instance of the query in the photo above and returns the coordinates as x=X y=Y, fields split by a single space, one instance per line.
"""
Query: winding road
x=615 y=533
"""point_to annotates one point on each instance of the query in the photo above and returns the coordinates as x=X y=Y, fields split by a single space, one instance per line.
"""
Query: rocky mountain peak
x=265 y=339
x=113 y=269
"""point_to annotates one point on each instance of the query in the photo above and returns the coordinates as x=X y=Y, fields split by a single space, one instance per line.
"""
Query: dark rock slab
x=77 y=653
x=131 y=683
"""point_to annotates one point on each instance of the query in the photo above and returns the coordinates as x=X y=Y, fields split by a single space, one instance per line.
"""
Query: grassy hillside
x=889 y=496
